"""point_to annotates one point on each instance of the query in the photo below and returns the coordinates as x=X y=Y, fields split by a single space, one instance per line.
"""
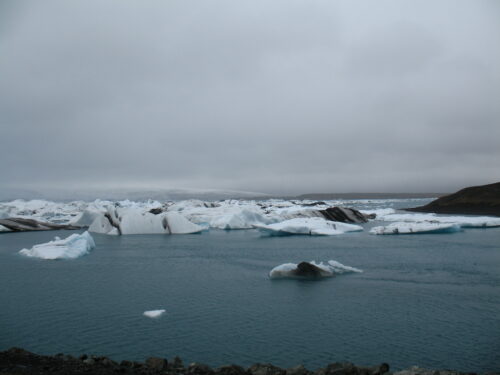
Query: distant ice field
x=430 y=299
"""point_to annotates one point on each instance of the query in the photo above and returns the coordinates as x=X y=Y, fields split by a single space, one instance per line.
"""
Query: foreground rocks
x=476 y=200
x=17 y=361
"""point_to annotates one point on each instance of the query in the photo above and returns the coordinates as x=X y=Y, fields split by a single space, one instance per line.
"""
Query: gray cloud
x=273 y=96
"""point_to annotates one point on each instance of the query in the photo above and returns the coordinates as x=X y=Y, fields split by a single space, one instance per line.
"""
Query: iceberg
x=243 y=219
x=117 y=221
x=311 y=270
x=154 y=314
x=416 y=228
x=308 y=226
x=85 y=218
x=71 y=247
x=463 y=221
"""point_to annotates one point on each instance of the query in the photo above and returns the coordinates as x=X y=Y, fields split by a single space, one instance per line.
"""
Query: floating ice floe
x=118 y=221
x=415 y=228
x=154 y=314
x=308 y=226
x=462 y=221
x=310 y=270
x=71 y=247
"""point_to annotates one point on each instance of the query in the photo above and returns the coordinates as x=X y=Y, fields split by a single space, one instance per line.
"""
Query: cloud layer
x=273 y=96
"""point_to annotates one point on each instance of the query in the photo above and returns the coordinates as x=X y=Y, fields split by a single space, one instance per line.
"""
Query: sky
x=273 y=96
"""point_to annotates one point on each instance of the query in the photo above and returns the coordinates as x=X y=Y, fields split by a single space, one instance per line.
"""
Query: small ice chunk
x=71 y=247
x=154 y=314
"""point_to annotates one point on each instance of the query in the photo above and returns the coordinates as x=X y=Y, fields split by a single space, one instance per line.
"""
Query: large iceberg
x=416 y=228
x=311 y=269
x=71 y=247
x=117 y=221
x=243 y=219
x=308 y=226
x=222 y=215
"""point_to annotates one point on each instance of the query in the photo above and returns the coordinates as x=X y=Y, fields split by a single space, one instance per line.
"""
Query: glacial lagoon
x=426 y=299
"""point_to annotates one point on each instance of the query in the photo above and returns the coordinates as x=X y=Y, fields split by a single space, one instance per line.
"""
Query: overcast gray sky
x=273 y=96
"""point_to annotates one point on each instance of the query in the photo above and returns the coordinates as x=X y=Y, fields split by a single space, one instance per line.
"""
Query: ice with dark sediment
x=117 y=221
x=311 y=269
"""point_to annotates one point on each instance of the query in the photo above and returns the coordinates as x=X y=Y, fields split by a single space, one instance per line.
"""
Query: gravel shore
x=19 y=361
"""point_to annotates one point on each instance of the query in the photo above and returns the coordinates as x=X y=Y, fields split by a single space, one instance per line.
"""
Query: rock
x=475 y=200
x=156 y=211
x=89 y=361
x=126 y=363
x=297 y=370
x=157 y=363
x=176 y=365
x=199 y=369
x=107 y=362
x=380 y=369
x=344 y=215
x=339 y=368
x=306 y=269
x=265 y=369
x=230 y=370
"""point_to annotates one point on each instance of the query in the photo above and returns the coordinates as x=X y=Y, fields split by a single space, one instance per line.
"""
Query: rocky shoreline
x=16 y=361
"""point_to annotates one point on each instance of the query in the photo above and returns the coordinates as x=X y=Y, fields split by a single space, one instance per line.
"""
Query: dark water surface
x=431 y=300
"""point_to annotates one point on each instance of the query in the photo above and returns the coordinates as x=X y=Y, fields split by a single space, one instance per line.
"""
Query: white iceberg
x=416 y=228
x=330 y=269
x=242 y=219
x=308 y=226
x=118 y=221
x=85 y=218
x=71 y=247
x=463 y=221
x=154 y=314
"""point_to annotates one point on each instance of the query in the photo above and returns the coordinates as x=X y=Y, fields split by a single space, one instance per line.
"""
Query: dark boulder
x=265 y=369
x=157 y=363
x=176 y=365
x=298 y=370
x=339 y=368
x=199 y=369
x=230 y=370
x=345 y=215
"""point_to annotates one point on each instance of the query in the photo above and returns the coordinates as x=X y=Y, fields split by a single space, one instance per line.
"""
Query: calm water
x=432 y=300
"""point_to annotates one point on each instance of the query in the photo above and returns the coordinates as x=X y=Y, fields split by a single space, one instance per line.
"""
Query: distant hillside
x=330 y=196
x=476 y=200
